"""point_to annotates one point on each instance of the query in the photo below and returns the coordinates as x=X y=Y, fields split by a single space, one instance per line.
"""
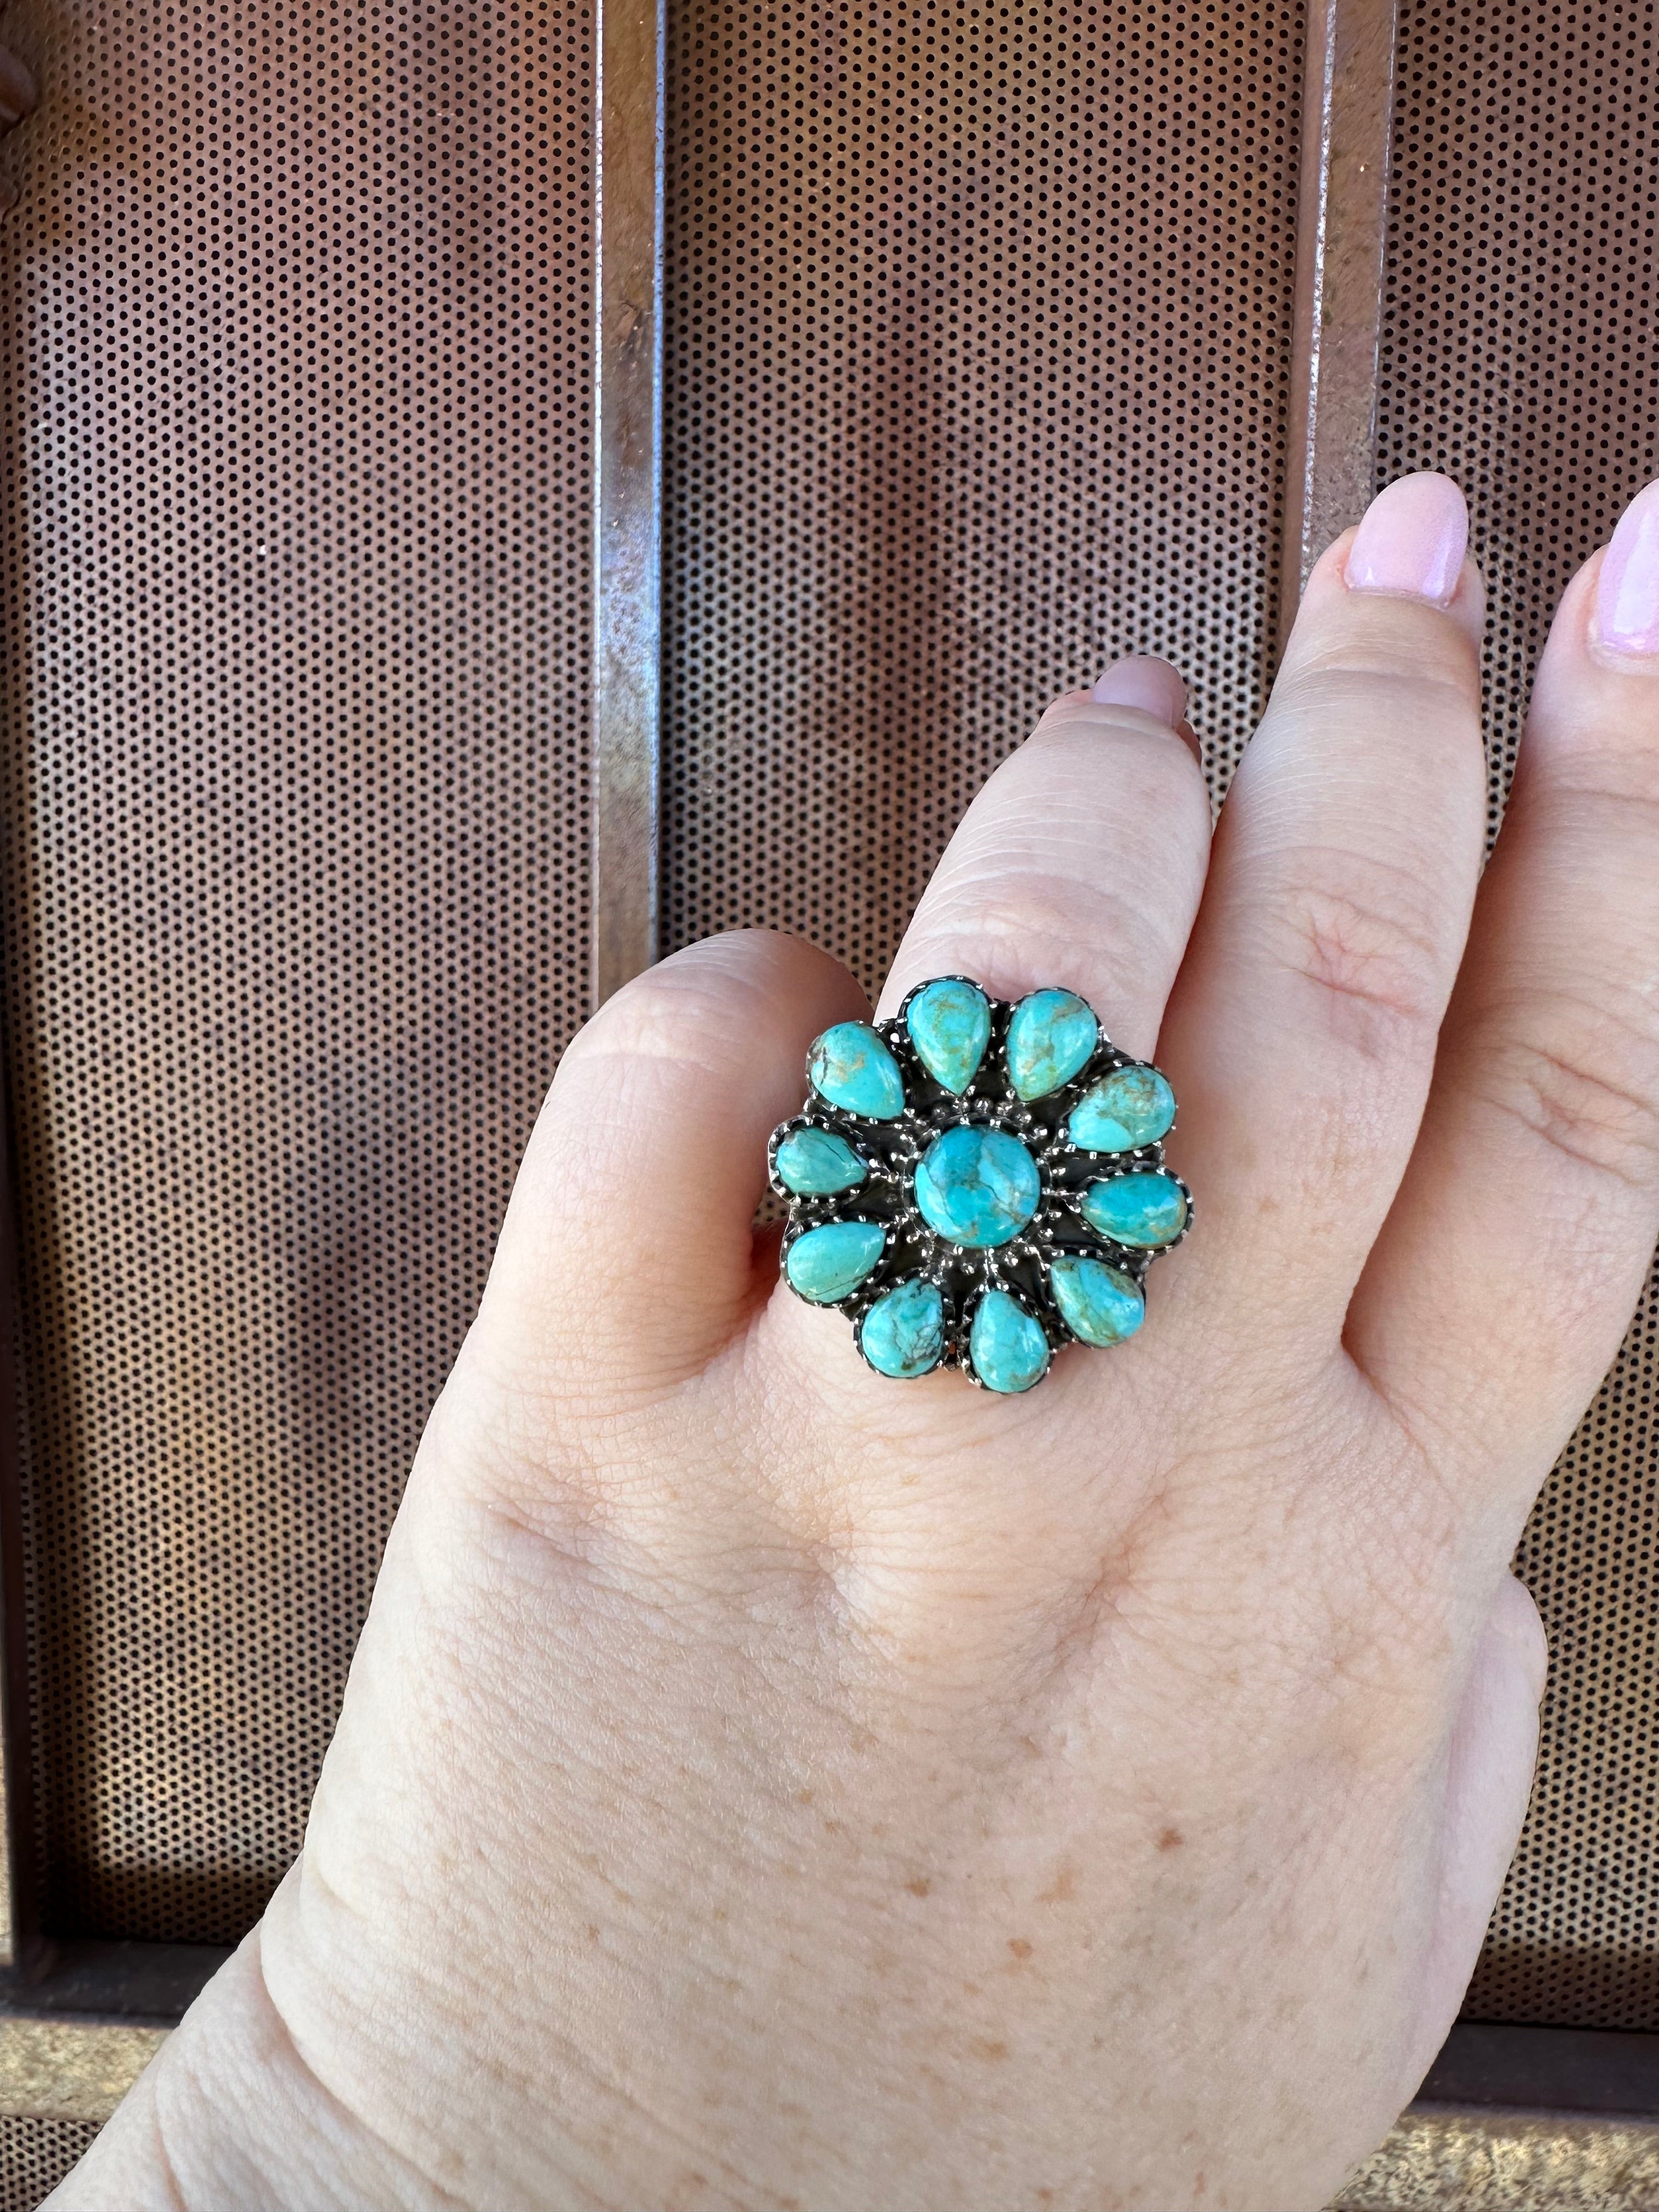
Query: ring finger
x=1081 y=862
x=1080 y=866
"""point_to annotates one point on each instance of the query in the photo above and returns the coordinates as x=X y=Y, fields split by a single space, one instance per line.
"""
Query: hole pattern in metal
x=35 y=2156
x=294 y=327
x=978 y=337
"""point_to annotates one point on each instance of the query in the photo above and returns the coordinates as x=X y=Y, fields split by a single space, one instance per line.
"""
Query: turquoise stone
x=850 y=1067
x=826 y=1263
x=903 y=1332
x=1050 y=1037
x=1101 y=1305
x=949 y=1025
x=1129 y=1107
x=977 y=1187
x=1007 y=1347
x=1141 y=1211
x=814 y=1162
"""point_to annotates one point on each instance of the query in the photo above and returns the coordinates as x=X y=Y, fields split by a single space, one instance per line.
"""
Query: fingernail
x=1412 y=540
x=1627 y=589
x=1144 y=682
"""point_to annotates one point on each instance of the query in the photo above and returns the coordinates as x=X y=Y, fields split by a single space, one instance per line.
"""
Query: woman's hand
x=763 y=1785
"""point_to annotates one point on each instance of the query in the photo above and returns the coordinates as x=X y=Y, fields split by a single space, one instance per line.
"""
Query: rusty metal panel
x=977 y=374
x=295 y=381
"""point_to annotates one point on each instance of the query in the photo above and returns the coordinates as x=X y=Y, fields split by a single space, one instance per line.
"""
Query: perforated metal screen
x=294 y=374
x=1519 y=353
x=35 y=2156
x=978 y=345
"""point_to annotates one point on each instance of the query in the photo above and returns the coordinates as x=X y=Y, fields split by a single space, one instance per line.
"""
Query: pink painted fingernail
x=1627 y=589
x=1144 y=682
x=1412 y=540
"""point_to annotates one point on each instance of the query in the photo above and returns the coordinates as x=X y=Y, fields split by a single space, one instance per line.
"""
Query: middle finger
x=1301 y=1033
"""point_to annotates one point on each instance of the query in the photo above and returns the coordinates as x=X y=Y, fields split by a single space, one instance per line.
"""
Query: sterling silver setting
x=892 y=1146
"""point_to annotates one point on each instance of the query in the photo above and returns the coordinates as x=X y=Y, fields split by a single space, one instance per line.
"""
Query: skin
x=763 y=1785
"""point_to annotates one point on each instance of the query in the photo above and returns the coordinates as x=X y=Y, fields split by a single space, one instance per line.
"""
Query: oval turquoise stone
x=815 y=1162
x=949 y=1025
x=1101 y=1305
x=826 y=1263
x=850 y=1067
x=977 y=1187
x=1140 y=1210
x=1007 y=1347
x=1129 y=1107
x=903 y=1333
x=1050 y=1037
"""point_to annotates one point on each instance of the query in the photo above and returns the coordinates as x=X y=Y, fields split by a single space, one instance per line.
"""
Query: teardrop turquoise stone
x=903 y=1332
x=815 y=1162
x=1140 y=1210
x=1129 y=1107
x=1007 y=1347
x=949 y=1025
x=1101 y=1305
x=850 y=1067
x=826 y=1263
x=1050 y=1037
x=977 y=1187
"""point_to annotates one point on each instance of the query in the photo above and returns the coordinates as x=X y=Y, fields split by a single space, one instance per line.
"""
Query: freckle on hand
x=1019 y=1947
x=919 y=1886
x=1172 y=1839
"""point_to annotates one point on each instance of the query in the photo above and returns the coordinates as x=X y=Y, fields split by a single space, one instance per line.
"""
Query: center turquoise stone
x=977 y=1187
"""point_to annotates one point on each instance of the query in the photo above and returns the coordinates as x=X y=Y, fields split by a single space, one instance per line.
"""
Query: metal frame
x=630 y=123
x=1348 y=105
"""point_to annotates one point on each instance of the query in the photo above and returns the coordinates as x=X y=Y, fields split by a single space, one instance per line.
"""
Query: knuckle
x=1604 y=784
x=1018 y=929
x=1585 y=1086
x=1061 y=855
x=698 y=1006
x=1364 y=948
x=1149 y=761
x=1377 y=666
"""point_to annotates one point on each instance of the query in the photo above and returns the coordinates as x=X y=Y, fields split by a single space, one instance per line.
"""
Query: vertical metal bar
x=1347 y=110
x=21 y=1954
x=629 y=115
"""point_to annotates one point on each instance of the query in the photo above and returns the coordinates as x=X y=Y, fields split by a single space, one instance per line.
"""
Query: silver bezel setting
x=891 y=1151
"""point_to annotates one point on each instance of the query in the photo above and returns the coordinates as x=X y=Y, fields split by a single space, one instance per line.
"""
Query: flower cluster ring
x=977 y=1183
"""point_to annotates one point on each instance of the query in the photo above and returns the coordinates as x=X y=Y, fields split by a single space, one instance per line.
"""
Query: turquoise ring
x=978 y=1183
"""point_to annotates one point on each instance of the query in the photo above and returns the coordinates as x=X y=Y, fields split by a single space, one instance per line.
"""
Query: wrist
x=229 y=2118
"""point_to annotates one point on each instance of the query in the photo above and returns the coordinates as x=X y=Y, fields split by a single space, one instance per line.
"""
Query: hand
x=761 y=1784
